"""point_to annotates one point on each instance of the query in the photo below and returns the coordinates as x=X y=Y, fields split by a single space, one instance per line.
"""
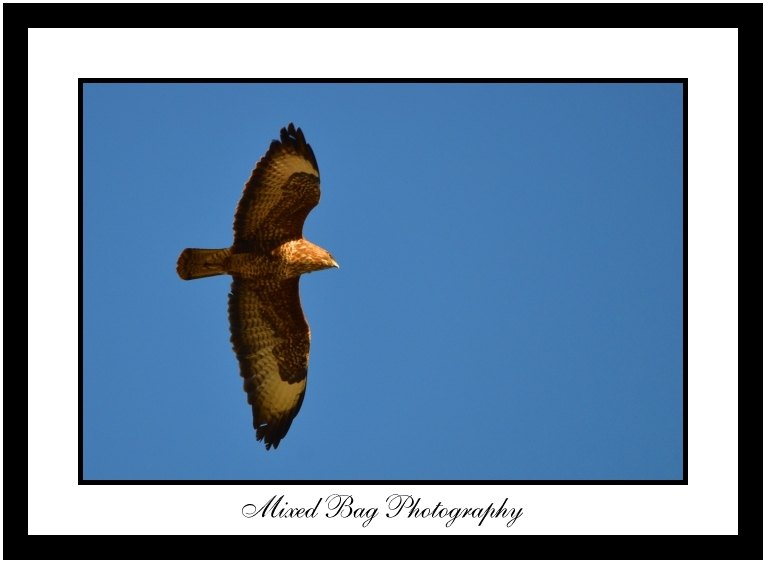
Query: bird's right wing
x=271 y=340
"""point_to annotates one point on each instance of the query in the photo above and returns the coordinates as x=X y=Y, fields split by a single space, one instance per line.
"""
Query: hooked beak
x=335 y=264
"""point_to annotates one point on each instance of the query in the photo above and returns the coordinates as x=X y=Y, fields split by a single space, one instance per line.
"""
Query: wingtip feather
x=293 y=137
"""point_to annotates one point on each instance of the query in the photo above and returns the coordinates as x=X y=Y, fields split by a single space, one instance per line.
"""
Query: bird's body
x=288 y=260
x=269 y=333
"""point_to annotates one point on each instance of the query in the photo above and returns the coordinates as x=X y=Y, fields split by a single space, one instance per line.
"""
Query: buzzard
x=269 y=332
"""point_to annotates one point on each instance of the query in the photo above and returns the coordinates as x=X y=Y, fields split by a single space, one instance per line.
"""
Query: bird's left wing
x=282 y=190
x=271 y=340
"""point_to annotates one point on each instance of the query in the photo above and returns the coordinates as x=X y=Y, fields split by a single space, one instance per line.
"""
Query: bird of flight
x=269 y=332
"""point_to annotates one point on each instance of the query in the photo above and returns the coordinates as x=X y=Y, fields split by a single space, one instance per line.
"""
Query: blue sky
x=509 y=303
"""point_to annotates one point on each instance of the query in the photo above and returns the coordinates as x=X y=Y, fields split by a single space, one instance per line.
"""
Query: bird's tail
x=202 y=262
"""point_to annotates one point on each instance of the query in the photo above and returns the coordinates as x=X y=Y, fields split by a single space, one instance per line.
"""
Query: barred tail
x=202 y=262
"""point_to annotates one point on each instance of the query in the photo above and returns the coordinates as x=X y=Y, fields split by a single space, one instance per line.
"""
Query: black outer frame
x=746 y=18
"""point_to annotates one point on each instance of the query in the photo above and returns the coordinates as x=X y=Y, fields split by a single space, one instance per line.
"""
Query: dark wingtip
x=270 y=436
x=292 y=136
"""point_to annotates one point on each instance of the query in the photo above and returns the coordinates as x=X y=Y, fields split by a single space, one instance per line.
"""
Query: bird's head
x=311 y=258
x=330 y=262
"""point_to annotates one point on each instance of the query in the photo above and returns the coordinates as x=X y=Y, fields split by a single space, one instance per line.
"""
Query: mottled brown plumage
x=269 y=332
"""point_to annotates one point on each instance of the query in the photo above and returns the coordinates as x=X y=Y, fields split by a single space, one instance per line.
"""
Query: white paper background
x=708 y=58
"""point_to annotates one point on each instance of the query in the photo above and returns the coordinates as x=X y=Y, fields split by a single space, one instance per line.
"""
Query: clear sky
x=509 y=303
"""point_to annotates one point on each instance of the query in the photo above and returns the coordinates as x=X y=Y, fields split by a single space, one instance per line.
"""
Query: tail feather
x=202 y=262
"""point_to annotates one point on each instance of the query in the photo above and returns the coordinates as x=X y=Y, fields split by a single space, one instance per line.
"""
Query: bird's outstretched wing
x=282 y=189
x=271 y=339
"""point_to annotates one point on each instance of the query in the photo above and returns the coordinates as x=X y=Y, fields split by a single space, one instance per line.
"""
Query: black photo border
x=747 y=19
x=683 y=481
